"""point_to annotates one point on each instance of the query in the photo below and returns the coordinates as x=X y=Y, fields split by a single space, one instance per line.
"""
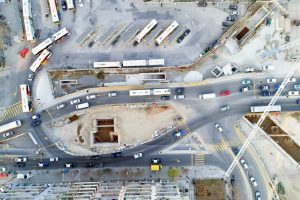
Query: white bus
x=134 y=63
x=37 y=63
x=25 y=98
x=39 y=48
x=139 y=92
x=106 y=64
x=28 y=23
x=167 y=32
x=146 y=30
x=70 y=5
x=9 y=126
x=53 y=10
x=166 y=91
x=258 y=109
x=156 y=62
x=60 y=34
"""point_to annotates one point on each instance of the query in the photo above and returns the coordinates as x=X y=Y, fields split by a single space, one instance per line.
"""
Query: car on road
x=54 y=159
x=21 y=159
x=96 y=157
x=7 y=134
x=36 y=123
x=225 y=93
x=253 y=181
x=233 y=7
x=2 y=169
x=230 y=18
x=292 y=80
x=179 y=91
x=112 y=94
x=224 y=108
x=267 y=67
x=30 y=76
x=64 y=5
x=264 y=87
x=235 y=150
x=137 y=155
x=226 y=24
x=60 y=106
x=296 y=87
x=74 y=101
x=80 y=3
x=276 y=87
x=165 y=98
x=244 y=164
x=298 y=101
x=293 y=93
x=181 y=96
x=70 y=165
x=92 y=96
x=155 y=160
x=179 y=133
x=271 y=80
x=89 y=164
x=265 y=93
x=36 y=116
x=116 y=154
x=91 y=43
x=244 y=89
x=257 y=195
x=19 y=164
x=234 y=13
x=219 y=128
x=250 y=69
x=43 y=164
x=246 y=82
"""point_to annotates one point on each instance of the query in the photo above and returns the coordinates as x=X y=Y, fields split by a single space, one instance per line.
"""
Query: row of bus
x=55 y=15
x=42 y=51
x=148 y=92
x=131 y=63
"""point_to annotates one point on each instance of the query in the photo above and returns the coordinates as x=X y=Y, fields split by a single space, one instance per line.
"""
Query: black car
x=97 y=157
x=64 y=5
x=36 y=123
x=230 y=18
x=2 y=17
x=298 y=101
x=91 y=44
x=235 y=150
x=116 y=155
x=90 y=164
x=233 y=7
x=179 y=40
x=19 y=164
x=265 y=93
x=179 y=91
x=186 y=32
x=227 y=24
x=165 y=98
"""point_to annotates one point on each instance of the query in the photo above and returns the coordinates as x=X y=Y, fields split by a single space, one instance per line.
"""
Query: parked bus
x=71 y=5
x=258 y=109
x=134 y=63
x=9 y=126
x=28 y=23
x=82 y=106
x=156 y=62
x=39 y=48
x=139 y=92
x=25 y=98
x=146 y=30
x=166 y=91
x=166 y=33
x=106 y=64
x=60 y=34
x=37 y=63
x=53 y=10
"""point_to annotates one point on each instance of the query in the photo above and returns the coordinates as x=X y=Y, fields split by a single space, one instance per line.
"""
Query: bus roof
x=146 y=30
x=41 y=46
x=167 y=32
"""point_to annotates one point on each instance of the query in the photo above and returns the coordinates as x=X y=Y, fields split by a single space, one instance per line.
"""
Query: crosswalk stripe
x=199 y=159
x=11 y=112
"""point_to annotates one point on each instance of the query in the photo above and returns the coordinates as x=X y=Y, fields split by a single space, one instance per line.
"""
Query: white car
x=219 y=128
x=293 y=93
x=2 y=169
x=292 y=80
x=74 y=101
x=257 y=195
x=271 y=80
x=253 y=181
x=60 y=106
x=244 y=89
x=181 y=96
x=137 y=155
x=80 y=2
x=30 y=76
x=21 y=159
x=92 y=96
x=8 y=134
x=250 y=69
x=53 y=159
x=234 y=13
x=112 y=94
x=244 y=164
x=267 y=67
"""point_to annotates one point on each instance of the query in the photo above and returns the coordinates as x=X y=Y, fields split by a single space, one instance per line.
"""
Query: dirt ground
x=210 y=189
x=134 y=124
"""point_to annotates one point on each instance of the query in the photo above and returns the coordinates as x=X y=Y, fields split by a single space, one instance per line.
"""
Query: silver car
x=224 y=108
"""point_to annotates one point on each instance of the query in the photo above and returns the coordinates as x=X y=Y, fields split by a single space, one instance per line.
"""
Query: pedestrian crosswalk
x=182 y=125
x=198 y=159
x=11 y=112
x=223 y=145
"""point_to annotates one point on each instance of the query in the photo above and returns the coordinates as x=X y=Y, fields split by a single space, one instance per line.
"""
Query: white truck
x=82 y=106
x=207 y=96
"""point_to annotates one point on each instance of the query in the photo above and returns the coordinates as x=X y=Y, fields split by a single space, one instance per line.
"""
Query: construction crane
x=260 y=121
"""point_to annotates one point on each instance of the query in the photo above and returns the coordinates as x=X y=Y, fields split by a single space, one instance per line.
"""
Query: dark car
x=179 y=40
x=116 y=155
x=179 y=91
x=233 y=7
x=36 y=123
x=165 y=98
x=227 y=24
x=64 y=5
x=186 y=32
x=97 y=157
x=235 y=150
x=276 y=87
x=230 y=18
x=265 y=93
x=19 y=164
x=91 y=44
x=298 y=101
x=90 y=164
x=2 y=17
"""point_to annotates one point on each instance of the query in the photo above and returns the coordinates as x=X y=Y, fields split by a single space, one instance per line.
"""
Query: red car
x=225 y=93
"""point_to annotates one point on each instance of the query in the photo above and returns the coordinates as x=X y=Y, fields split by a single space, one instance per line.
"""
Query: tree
x=101 y=75
x=173 y=173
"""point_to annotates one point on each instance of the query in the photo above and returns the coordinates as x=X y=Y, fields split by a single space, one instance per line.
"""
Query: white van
x=82 y=106
x=92 y=96
x=23 y=176
x=207 y=96
x=293 y=93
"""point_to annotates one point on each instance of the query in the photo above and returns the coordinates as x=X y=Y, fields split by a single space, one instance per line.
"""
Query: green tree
x=173 y=173
x=101 y=75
